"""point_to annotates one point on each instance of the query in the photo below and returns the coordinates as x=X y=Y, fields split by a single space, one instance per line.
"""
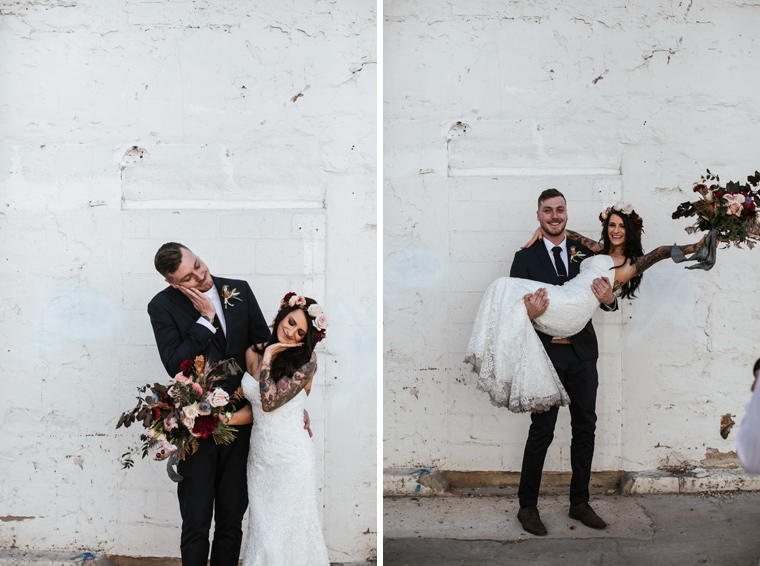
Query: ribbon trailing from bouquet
x=705 y=256
x=170 y=463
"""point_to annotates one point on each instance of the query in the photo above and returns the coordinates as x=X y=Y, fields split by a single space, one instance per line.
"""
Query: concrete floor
x=26 y=557
x=721 y=529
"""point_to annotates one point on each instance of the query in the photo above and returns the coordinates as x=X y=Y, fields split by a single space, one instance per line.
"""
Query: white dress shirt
x=213 y=294
x=748 y=437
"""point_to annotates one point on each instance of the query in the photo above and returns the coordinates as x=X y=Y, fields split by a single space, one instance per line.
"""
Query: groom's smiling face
x=192 y=273
x=552 y=216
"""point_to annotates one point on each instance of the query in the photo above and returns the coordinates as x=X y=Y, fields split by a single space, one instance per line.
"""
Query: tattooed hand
x=537 y=235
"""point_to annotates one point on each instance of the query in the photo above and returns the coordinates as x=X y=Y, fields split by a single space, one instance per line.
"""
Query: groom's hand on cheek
x=201 y=303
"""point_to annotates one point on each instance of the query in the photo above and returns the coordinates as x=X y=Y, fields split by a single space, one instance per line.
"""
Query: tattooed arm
x=593 y=245
x=276 y=394
x=663 y=252
x=630 y=270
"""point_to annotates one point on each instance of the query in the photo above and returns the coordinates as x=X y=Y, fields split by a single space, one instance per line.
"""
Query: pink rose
x=218 y=398
x=170 y=423
x=180 y=378
x=191 y=411
x=188 y=422
x=296 y=300
x=320 y=323
x=735 y=203
x=168 y=446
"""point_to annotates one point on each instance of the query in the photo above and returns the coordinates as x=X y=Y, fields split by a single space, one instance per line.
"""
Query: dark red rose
x=286 y=298
x=156 y=413
x=186 y=367
x=205 y=425
x=702 y=189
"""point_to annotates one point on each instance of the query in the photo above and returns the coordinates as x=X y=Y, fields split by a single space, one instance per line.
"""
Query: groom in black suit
x=554 y=261
x=190 y=318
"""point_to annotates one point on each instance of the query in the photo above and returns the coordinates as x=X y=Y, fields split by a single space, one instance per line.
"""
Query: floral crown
x=318 y=318
x=623 y=208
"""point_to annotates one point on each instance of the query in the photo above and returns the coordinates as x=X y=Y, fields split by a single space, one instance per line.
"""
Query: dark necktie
x=219 y=336
x=561 y=271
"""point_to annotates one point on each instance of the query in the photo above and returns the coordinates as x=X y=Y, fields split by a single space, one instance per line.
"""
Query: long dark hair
x=286 y=363
x=632 y=250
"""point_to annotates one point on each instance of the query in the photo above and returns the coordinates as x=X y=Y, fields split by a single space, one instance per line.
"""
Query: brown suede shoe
x=585 y=514
x=531 y=521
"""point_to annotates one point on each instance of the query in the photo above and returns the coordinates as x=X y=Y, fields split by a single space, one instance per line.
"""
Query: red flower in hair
x=286 y=298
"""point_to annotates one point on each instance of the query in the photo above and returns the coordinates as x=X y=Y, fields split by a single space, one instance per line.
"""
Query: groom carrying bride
x=554 y=261
x=218 y=318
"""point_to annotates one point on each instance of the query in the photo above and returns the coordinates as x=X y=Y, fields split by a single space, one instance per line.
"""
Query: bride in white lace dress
x=505 y=351
x=283 y=513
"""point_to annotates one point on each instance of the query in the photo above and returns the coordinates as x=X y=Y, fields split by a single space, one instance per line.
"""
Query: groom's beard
x=554 y=229
x=206 y=284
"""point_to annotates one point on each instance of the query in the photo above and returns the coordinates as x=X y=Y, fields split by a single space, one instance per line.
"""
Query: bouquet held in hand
x=729 y=211
x=178 y=414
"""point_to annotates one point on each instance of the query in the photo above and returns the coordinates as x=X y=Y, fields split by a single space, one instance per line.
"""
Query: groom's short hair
x=547 y=194
x=168 y=257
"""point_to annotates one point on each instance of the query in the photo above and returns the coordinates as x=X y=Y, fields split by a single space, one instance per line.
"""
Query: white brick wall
x=523 y=78
x=264 y=187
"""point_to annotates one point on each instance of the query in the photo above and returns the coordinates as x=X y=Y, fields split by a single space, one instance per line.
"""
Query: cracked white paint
x=495 y=102
x=126 y=125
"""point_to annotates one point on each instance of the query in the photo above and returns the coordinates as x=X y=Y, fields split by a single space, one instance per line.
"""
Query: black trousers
x=581 y=380
x=214 y=484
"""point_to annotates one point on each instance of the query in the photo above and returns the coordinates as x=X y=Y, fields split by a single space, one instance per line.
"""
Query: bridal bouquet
x=730 y=211
x=178 y=414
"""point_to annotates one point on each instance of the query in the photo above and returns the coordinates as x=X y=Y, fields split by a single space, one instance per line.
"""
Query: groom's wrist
x=203 y=321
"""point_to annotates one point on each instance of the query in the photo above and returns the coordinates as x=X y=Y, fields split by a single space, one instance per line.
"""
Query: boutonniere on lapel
x=576 y=255
x=230 y=295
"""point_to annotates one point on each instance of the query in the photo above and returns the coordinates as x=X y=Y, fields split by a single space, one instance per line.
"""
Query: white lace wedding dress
x=512 y=364
x=283 y=514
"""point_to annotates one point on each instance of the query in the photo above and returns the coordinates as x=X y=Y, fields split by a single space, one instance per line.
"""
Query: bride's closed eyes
x=300 y=333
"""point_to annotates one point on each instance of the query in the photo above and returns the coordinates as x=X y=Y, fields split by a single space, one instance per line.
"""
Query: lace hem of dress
x=515 y=403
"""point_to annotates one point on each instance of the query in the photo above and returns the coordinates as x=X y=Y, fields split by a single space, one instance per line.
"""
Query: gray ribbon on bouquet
x=705 y=256
x=170 y=463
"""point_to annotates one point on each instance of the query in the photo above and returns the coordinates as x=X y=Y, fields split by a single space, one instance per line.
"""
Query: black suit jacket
x=535 y=264
x=179 y=337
